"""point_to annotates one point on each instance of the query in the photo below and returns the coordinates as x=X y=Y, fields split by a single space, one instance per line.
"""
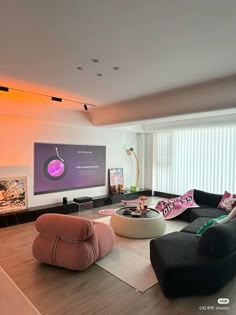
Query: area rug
x=12 y=299
x=129 y=260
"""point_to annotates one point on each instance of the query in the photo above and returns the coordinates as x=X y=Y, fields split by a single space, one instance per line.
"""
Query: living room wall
x=18 y=135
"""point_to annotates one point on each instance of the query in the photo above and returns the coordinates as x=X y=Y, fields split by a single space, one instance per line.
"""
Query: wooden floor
x=56 y=291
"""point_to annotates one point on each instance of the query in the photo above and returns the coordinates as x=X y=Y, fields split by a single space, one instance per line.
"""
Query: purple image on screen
x=60 y=167
x=56 y=168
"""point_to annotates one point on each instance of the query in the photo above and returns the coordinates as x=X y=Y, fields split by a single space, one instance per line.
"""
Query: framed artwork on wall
x=13 y=194
x=116 y=180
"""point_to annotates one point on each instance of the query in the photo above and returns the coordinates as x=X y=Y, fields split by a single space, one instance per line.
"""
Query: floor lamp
x=131 y=152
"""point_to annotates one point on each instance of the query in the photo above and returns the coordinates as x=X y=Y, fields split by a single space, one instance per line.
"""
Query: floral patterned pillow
x=228 y=201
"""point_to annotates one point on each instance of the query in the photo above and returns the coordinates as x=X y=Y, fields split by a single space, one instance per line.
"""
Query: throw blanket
x=171 y=208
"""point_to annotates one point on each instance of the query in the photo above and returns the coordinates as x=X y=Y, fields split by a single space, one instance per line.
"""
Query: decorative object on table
x=106 y=211
x=13 y=194
x=136 y=214
x=131 y=151
x=142 y=204
x=116 y=180
x=141 y=208
x=129 y=201
x=127 y=212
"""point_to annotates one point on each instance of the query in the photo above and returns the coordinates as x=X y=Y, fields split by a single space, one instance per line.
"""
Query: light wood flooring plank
x=57 y=291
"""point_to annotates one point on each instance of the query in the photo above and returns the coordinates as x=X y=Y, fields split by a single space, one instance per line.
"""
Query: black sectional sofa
x=186 y=264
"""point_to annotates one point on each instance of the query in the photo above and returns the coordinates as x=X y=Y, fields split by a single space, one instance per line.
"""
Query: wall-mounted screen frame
x=61 y=167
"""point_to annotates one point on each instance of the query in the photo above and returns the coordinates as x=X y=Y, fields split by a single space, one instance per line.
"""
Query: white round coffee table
x=151 y=224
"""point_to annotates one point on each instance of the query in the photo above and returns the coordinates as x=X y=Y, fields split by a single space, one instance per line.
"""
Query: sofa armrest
x=218 y=240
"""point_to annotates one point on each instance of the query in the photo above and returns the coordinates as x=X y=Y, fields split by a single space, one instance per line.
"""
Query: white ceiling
x=158 y=45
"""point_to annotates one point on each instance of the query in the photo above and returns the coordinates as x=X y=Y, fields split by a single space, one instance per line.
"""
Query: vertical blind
x=195 y=158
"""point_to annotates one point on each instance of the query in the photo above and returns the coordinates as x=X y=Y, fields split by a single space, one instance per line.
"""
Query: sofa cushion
x=210 y=223
x=195 y=225
x=227 y=202
x=186 y=215
x=206 y=211
x=218 y=240
x=206 y=198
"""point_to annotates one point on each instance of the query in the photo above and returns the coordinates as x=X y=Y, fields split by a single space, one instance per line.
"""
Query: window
x=203 y=158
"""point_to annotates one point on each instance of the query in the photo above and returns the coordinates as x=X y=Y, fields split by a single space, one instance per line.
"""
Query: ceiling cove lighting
x=53 y=98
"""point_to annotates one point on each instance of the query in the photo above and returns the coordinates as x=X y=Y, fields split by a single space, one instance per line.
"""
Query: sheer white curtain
x=195 y=158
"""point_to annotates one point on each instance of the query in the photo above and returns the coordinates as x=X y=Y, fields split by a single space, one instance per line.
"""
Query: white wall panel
x=16 y=152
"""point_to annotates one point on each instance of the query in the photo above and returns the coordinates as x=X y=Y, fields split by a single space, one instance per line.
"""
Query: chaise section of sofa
x=186 y=264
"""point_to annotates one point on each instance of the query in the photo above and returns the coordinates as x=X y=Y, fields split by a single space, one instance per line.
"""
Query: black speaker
x=64 y=200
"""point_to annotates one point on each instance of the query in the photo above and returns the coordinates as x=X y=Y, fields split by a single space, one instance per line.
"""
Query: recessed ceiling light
x=79 y=68
x=99 y=74
x=95 y=60
x=116 y=68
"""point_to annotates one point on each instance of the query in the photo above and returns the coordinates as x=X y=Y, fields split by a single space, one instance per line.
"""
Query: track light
x=56 y=99
x=53 y=98
x=4 y=88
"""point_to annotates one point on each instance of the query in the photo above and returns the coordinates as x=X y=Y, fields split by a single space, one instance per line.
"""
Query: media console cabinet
x=31 y=214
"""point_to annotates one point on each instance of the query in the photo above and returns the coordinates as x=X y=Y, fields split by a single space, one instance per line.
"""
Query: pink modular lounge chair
x=71 y=242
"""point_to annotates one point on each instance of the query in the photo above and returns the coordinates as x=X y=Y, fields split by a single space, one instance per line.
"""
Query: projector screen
x=60 y=167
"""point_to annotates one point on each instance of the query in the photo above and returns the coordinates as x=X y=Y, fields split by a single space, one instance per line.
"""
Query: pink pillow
x=228 y=201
